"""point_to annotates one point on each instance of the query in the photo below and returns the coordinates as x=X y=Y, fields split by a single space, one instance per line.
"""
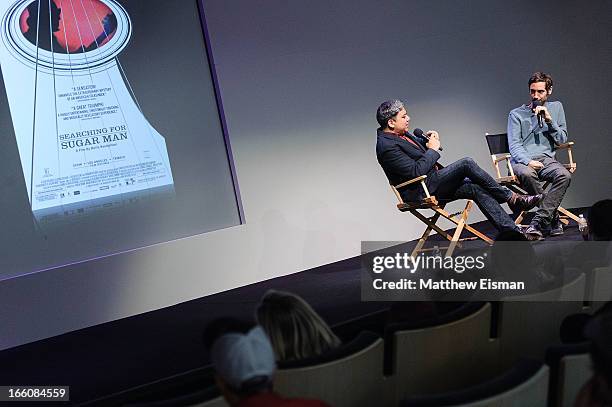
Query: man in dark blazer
x=404 y=157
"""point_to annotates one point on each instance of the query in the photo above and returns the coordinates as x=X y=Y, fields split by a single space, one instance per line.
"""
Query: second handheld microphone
x=535 y=103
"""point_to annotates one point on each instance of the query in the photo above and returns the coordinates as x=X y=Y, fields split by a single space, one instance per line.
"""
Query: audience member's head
x=242 y=357
x=572 y=328
x=600 y=220
x=295 y=329
x=599 y=330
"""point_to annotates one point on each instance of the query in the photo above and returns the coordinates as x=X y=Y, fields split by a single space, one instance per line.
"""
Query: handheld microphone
x=418 y=133
x=535 y=103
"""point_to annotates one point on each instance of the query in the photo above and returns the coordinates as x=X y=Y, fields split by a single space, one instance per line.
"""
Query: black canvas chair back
x=498 y=143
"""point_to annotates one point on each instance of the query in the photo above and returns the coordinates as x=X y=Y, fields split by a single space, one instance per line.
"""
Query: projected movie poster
x=80 y=133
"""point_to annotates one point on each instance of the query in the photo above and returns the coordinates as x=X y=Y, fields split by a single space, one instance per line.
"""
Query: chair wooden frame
x=512 y=182
x=430 y=202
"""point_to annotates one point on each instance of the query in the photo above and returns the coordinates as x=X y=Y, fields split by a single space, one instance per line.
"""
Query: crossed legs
x=464 y=179
x=532 y=180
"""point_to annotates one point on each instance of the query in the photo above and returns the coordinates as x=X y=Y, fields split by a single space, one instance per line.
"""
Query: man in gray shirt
x=534 y=130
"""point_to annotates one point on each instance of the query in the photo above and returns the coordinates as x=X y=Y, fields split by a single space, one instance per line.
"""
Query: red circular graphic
x=68 y=26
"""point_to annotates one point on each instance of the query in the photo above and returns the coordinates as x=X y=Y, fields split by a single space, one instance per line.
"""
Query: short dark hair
x=387 y=110
x=541 y=77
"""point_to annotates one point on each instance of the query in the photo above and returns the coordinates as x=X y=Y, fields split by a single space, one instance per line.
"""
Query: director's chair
x=500 y=151
x=430 y=202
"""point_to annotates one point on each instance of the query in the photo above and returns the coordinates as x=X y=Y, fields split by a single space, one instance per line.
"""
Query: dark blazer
x=403 y=161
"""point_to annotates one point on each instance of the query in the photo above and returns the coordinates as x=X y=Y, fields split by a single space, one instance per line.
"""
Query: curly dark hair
x=541 y=77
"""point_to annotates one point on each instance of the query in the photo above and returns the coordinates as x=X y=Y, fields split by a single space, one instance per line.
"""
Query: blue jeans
x=464 y=179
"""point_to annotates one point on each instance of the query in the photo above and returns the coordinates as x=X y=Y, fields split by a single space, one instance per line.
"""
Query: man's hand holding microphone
x=433 y=140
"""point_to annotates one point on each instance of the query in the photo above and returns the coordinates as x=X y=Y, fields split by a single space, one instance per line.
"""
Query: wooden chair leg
x=431 y=224
x=519 y=218
x=478 y=234
x=460 y=225
x=568 y=214
x=455 y=239
x=468 y=227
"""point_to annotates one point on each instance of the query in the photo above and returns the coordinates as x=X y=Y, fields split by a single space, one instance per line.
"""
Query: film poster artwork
x=81 y=135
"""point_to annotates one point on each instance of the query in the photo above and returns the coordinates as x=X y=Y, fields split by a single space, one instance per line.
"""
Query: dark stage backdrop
x=300 y=82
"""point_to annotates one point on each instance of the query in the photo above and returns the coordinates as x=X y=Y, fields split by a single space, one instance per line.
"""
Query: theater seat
x=530 y=323
x=525 y=384
x=446 y=354
x=348 y=376
x=600 y=287
x=570 y=369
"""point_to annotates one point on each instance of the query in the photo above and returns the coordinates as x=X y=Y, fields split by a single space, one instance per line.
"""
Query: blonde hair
x=295 y=330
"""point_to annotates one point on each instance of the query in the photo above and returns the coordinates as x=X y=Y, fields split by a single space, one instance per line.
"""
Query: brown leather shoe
x=524 y=202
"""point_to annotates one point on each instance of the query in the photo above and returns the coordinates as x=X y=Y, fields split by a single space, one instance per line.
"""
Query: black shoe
x=525 y=202
x=556 y=227
x=534 y=232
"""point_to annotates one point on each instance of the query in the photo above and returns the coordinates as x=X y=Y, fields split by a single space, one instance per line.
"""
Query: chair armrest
x=412 y=181
x=569 y=144
x=501 y=157
x=571 y=166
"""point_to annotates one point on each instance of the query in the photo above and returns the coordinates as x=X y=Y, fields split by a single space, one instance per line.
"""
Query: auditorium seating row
x=480 y=354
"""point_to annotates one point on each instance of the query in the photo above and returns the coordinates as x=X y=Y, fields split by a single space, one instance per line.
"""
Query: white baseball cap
x=239 y=357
